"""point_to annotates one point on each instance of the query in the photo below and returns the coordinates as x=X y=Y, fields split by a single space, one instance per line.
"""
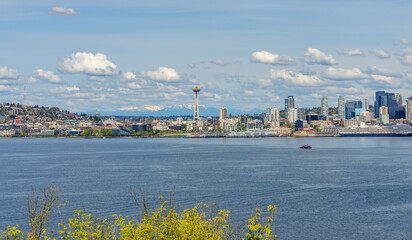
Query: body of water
x=344 y=188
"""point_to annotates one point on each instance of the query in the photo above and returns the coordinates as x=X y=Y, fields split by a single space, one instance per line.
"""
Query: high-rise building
x=391 y=100
x=222 y=116
x=272 y=119
x=324 y=106
x=341 y=107
x=409 y=109
x=383 y=110
x=365 y=103
x=292 y=115
x=383 y=115
x=301 y=114
x=350 y=107
x=289 y=103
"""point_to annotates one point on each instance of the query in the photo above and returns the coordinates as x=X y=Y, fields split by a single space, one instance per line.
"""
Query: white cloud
x=271 y=58
x=134 y=85
x=344 y=74
x=219 y=62
x=406 y=56
x=7 y=73
x=128 y=76
x=249 y=93
x=380 y=53
x=264 y=82
x=64 y=11
x=154 y=108
x=296 y=78
x=64 y=89
x=32 y=80
x=313 y=55
x=272 y=97
x=354 y=52
x=98 y=79
x=382 y=71
x=191 y=65
x=382 y=78
x=405 y=41
x=340 y=90
x=47 y=76
x=4 y=88
x=88 y=63
x=163 y=74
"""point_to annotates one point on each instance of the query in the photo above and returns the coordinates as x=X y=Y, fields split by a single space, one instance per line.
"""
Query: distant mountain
x=179 y=111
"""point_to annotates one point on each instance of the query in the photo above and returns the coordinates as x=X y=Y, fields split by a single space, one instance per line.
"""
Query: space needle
x=196 y=90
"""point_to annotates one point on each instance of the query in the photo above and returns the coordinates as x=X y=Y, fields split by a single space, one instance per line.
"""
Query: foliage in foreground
x=200 y=222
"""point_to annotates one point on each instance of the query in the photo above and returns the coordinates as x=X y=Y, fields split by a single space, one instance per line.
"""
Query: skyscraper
x=391 y=100
x=301 y=114
x=222 y=115
x=292 y=115
x=350 y=107
x=341 y=107
x=272 y=117
x=365 y=103
x=324 y=106
x=289 y=103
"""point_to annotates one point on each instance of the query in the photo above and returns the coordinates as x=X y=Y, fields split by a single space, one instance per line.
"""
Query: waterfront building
x=391 y=100
x=383 y=115
x=230 y=125
x=350 y=107
x=179 y=121
x=383 y=110
x=292 y=115
x=409 y=109
x=301 y=114
x=289 y=103
x=351 y=123
x=271 y=118
x=324 y=106
x=365 y=104
x=359 y=110
x=222 y=115
x=341 y=107
x=365 y=116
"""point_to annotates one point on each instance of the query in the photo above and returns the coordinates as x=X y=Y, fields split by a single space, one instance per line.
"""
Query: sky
x=88 y=56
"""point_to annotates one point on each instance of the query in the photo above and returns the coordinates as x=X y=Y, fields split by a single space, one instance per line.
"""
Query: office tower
x=381 y=100
x=222 y=113
x=222 y=116
x=391 y=100
x=292 y=115
x=409 y=109
x=365 y=103
x=350 y=107
x=383 y=115
x=289 y=103
x=341 y=107
x=272 y=117
x=196 y=90
x=324 y=106
x=301 y=114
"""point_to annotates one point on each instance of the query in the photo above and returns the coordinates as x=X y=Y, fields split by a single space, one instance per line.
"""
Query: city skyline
x=149 y=56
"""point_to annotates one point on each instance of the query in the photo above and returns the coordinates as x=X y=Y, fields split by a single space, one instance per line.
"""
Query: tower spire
x=196 y=90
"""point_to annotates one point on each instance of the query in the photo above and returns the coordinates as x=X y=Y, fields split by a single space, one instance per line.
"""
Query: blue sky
x=148 y=55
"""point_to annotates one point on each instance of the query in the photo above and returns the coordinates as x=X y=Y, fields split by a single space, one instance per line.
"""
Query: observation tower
x=196 y=90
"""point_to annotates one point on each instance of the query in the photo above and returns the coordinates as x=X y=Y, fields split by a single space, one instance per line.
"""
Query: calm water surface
x=344 y=188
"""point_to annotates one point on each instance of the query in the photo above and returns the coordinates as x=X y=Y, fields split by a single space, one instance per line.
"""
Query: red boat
x=305 y=147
